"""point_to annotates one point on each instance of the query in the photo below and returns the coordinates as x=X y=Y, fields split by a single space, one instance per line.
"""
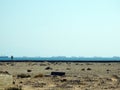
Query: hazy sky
x=60 y=27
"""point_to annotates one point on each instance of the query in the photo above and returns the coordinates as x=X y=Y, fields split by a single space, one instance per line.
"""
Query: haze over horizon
x=60 y=28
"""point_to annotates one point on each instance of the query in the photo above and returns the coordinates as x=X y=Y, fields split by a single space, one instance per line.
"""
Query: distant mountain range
x=3 y=56
x=61 y=58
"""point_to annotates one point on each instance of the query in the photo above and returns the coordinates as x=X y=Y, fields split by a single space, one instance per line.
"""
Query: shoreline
x=85 y=61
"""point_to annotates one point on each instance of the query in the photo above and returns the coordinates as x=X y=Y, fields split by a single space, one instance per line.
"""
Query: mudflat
x=60 y=75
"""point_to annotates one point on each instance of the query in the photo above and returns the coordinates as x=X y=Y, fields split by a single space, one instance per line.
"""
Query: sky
x=60 y=28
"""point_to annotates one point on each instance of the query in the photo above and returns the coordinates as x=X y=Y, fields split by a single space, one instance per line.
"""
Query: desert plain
x=76 y=76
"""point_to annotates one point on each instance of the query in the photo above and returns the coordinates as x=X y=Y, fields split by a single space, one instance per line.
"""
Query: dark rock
x=58 y=73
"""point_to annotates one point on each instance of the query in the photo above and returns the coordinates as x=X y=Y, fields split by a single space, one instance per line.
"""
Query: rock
x=115 y=78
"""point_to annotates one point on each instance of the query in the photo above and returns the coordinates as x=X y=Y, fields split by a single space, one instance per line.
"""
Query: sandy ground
x=78 y=76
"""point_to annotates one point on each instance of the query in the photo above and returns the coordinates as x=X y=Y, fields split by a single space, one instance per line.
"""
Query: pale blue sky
x=60 y=27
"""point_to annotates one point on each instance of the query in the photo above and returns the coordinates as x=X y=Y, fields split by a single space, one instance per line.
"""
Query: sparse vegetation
x=38 y=76
x=83 y=69
x=13 y=88
x=67 y=68
x=63 y=80
x=39 y=84
x=4 y=72
x=23 y=76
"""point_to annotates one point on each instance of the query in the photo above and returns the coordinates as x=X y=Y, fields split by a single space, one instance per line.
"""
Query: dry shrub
x=29 y=70
x=4 y=72
x=89 y=69
x=83 y=69
x=48 y=68
x=13 y=88
x=63 y=80
x=39 y=84
x=38 y=76
x=67 y=68
x=23 y=76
